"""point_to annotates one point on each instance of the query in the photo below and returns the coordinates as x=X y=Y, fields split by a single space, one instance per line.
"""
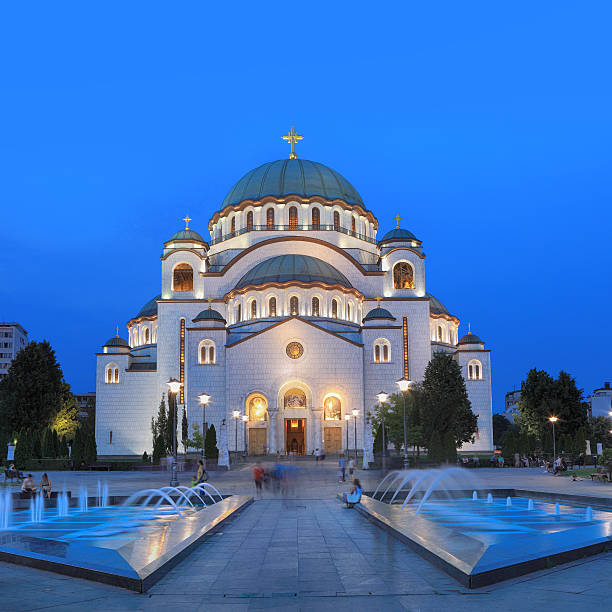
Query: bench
x=99 y=465
x=601 y=474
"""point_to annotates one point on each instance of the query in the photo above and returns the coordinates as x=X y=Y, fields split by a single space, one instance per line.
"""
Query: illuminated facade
x=293 y=313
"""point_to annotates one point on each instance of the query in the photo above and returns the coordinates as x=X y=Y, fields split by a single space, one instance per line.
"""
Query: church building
x=291 y=316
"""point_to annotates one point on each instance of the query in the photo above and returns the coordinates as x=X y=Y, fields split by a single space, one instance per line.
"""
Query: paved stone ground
x=309 y=553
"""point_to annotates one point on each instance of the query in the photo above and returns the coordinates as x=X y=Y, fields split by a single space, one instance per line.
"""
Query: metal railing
x=293 y=227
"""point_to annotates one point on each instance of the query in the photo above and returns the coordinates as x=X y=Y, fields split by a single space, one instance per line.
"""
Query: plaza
x=308 y=552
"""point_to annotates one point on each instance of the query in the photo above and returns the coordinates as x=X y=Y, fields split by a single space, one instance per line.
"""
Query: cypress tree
x=56 y=444
x=77 y=454
x=211 y=450
x=450 y=448
x=37 y=444
x=63 y=448
x=184 y=430
x=435 y=452
x=159 y=449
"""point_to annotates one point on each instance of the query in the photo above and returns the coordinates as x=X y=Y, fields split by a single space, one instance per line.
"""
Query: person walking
x=341 y=468
x=201 y=476
x=351 y=467
x=258 y=477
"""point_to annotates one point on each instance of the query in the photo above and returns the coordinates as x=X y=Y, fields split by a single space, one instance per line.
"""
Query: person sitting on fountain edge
x=354 y=497
x=28 y=485
x=45 y=485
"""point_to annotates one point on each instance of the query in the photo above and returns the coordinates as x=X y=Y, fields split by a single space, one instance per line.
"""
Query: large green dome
x=286 y=268
x=292 y=177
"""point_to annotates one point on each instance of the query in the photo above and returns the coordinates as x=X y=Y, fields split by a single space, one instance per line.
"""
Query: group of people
x=280 y=479
x=28 y=485
x=557 y=466
x=342 y=465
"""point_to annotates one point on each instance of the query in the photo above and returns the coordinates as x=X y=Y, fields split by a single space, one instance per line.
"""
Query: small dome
x=286 y=268
x=209 y=315
x=470 y=339
x=379 y=313
x=189 y=235
x=149 y=309
x=116 y=341
x=436 y=306
x=397 y=235
x=286 y=177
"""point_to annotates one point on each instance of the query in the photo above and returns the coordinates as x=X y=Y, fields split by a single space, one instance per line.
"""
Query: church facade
x=292 y=316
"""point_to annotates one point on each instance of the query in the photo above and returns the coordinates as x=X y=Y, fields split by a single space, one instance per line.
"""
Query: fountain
x=442 y=513
x=130 y=543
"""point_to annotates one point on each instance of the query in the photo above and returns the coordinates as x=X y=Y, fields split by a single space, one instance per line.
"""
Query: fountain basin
x=128 y=547
x=480 y=543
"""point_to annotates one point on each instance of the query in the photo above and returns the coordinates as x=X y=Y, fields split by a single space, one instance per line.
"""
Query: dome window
x=111 y=374
x=334 y=308
x=183 y=278
x=294 y=306
x=207 y=352
x=316 y=219
x=249 y=220
x=233 y=225
x=403 y=276
x=474 y=370
x=272 y=306
x=254 y=309
x=315 y=306
x=336 y=220
x=382 y=351
x=270 y=218
x=293 y=218
x=353 y=225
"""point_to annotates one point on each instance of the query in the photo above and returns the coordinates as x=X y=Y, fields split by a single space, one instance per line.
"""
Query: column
x=316 y=424
x=272 y=416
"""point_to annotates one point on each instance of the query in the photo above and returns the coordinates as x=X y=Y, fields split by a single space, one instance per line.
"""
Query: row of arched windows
x=315 y=220
x=382 y=351
x=440 y=335
x=294 y=308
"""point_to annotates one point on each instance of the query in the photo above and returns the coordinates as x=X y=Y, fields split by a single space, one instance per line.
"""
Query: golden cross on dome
x=378 y=298
x=397 y=220
x=187 y=220
x=209 y=300
x=469 y=328
x=117 y=331
x=292 y=137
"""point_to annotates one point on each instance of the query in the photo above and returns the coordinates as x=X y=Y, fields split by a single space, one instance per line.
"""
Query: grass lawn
x=582 y=472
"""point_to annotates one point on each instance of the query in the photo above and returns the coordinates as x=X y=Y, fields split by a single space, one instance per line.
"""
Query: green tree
x=77 y=450
x=446 y=406
x=500 y=426
x=509 y=447
x=570 y=407
x=33 y=391
x=435 y=450
x=48 y=447
x=197 y=440
x=599 y=431
x=63 y=448
x=449 y=447
x=23 y=450
x=36 y=437
x=537 y=395
x=211 y=451
x=185 y=431
x=56 y=444
x=66 y=421
x=159 y=449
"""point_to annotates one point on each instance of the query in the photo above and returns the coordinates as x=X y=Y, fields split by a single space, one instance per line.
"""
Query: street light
x=355 y=415
x=204 y=399
x=245 y=418
x=174 y=386
x=404 y=387
x=347 y=418
x=236 y=415
x=382 y=397
x=553 y=420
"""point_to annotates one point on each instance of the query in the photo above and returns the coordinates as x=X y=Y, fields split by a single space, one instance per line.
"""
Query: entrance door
x=295 y=436
x=257 y=440
x=333 y=440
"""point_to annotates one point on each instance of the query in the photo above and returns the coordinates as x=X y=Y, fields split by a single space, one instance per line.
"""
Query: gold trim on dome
x=293 y=283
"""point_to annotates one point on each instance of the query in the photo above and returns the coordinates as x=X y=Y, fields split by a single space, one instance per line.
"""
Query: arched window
x=147 y=337
x=474 y=370
x=316 y=218
x=233 y=225
x=349 y=312
x=336 y=220
x=257 y=408
x=315 y=306
x=272 y=307
x=295 y=398
x=382 y=351
x=440 y=333
x=403 y=275
x=293 y=218
x=353 y=225
x=183 y=278
x=239 y=313
x=270 y=218
x=294 y=306
x=111 y=373
x=254 y=309
x=249 y=223
x=333 y=408
x=206 y=352
x=334 y=313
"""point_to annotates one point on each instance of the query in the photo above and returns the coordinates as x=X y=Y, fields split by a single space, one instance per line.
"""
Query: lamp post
x=174 y=386
x=355 y=415
x=382 y=397
x=245 y=418
x=404 y=387
x=204 y=399
x=347 y=418
x=553 y=420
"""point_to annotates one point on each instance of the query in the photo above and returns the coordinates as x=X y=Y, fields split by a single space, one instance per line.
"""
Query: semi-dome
x=436 y=306
x=187 y=234
x=398 y=234
x=209 y=315
x=116 y=341
x=379 y=313
x=292 y=177
x=286 y=268
x=149 y=309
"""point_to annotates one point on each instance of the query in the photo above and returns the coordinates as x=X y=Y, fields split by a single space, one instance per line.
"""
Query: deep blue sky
x=486 y=127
